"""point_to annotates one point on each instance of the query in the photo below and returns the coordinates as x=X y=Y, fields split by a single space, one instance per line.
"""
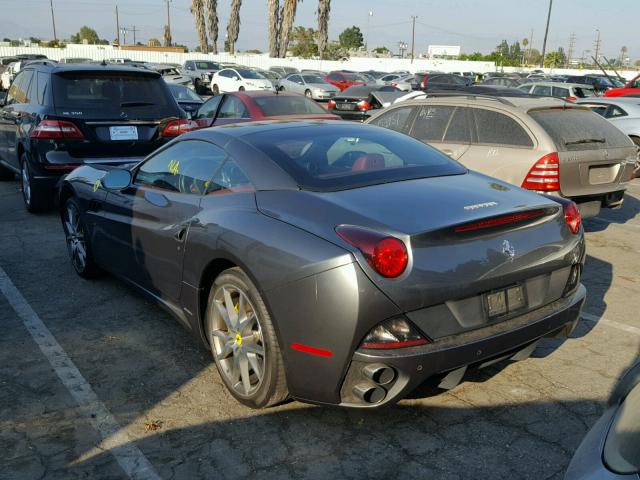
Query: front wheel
x=77 y=238
x=241 y=89
x=36 y=197
x=243 y=341
x=307 y=93
x=215 y=90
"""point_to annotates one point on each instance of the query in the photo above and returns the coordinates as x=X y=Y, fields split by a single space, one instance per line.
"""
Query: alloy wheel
x=76 y=243
x=26 y=184
x=237 y=341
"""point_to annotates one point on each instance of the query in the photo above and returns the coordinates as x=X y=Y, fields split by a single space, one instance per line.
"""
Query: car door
x=208 y=111
x=224 y=81
x=14 y=115
x=295 y=84
x=232 y=110
x=501 y=145
x=152 y=218
x=445 y=127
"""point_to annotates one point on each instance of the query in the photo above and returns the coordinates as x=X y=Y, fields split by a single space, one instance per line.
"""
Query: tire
x=241 y=89
x=307 y=93
x=36 y=198
x=635 y=140
x=215 y=90
x=241 y=348
x=77 y=239
x=6 y=173
x=282 y=89
x=199 y=88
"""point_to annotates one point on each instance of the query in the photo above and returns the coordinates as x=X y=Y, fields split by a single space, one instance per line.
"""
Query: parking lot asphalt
x=160 y=408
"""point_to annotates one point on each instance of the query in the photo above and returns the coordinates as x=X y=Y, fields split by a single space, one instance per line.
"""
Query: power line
x=597 y=45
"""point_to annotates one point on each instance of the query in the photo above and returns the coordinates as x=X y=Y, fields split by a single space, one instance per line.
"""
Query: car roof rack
x=472 y=96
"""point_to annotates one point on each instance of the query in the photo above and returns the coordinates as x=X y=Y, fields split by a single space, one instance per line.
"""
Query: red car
x=631 y=88
x=251 y=106
x=344 y=80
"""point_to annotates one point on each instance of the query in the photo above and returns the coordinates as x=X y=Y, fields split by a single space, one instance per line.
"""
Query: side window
x=232 y=108
x=636 y=83
x=185 y=167
x=189 y=66
x=561 y=92
x=542 y=90
x=525 y=88
x=229 y=178
x=499 y=129
x=208 y=108
x=599 y=109
x=19 y=88
x=295 y=79
x=431 y=122
x=43 y=80
x=395 y=119
x=335 y=77
x=224 y=73
x=458 y=130
x=614 y=112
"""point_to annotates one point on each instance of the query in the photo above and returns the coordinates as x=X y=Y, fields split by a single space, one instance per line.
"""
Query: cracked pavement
x=517 y=420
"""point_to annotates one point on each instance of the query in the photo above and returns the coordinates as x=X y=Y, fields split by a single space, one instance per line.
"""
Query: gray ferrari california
x=331 y=262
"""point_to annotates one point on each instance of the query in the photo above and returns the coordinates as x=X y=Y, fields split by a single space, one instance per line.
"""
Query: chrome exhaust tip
x=369 y=393
x=379 y=373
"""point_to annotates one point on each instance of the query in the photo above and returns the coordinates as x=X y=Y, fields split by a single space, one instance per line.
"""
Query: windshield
x=144 y=95
x=183 y=93
x=275 y=105
x=313 y=79
x=341 y=157
x=207 y=66
x=251 y=74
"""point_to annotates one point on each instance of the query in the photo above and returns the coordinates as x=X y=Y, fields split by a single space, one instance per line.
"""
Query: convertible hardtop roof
x=239 y=130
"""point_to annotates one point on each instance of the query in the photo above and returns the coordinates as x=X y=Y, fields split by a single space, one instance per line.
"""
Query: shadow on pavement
x=629 y=210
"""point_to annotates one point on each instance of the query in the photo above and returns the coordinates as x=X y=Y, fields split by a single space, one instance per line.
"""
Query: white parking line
x=115 y=439
x=611 y=323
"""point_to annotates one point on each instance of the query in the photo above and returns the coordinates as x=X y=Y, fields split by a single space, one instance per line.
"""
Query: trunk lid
x=119 y=112
x=444 y=264
x=595 y=156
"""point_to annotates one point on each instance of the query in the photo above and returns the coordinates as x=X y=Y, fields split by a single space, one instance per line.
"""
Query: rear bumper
x=413 y=366
x=352 y=115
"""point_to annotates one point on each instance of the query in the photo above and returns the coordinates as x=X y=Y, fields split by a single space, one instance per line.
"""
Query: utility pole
x=596 y=55
x=118 y=26
x=53 y=21
x=366 y=42
x=572 y=46
x=413 y=36
x=134 y=30
x=169 y=21
x=546 y=34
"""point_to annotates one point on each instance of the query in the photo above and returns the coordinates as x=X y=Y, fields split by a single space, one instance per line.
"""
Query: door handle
x=179 y=235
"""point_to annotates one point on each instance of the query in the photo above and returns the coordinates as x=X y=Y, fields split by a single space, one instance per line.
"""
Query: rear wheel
x=78 y=241
x=36 y=197
x=307 y=93
x=635 y=139
x=215 y=90
x=241 y=89
x=200 y=89
x=243 y=341
x=282 y=89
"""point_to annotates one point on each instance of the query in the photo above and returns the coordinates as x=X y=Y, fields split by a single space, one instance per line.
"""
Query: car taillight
x=177 y=127
x=423 y=83
x=572 y=99
x=387 y=255
x=544 y=175
x=51 y=129
x=393 y=333
x=331 y=104
x=572 y=216
x=394 y=84
x=363 y=105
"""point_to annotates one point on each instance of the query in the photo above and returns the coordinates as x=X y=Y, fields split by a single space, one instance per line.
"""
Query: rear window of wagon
x=577 y=129
x=328 y=158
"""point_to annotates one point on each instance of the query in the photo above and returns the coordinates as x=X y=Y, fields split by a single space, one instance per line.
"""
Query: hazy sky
x=473 y=24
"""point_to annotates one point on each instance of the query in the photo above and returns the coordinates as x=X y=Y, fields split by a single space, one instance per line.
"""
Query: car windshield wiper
x=586 y=140
x=136 y=104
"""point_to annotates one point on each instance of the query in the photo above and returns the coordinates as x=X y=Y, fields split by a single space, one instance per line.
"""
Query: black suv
x=58 y=117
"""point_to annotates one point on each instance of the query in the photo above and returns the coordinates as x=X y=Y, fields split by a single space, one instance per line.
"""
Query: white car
x=239 y=79
x=9 y=74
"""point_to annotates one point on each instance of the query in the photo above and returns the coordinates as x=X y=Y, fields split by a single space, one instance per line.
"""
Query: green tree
x=88 y=34
x=335 y=51
x=381 y=50
x=553 y=59
x=303 y=42
x=351 y=38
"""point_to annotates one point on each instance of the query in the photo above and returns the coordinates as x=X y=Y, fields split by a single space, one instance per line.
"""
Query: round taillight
x=572 y=217
x=389 y=257
x=331 y=104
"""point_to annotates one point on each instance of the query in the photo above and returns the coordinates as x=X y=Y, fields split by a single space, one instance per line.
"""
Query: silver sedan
x=623 y=112
x=312 y=86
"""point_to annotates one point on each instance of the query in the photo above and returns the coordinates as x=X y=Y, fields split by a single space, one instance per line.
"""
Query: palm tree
x=287 y=17
x=233 y=28
x=324 y=6
x=274 y=26
x=212 y=20
x=197 y=11
x=166 y=36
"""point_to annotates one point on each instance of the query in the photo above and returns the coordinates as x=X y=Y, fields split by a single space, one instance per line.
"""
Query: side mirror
x=116 y=179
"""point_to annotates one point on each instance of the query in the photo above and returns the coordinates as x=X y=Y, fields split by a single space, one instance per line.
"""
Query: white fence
x=100 y=52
